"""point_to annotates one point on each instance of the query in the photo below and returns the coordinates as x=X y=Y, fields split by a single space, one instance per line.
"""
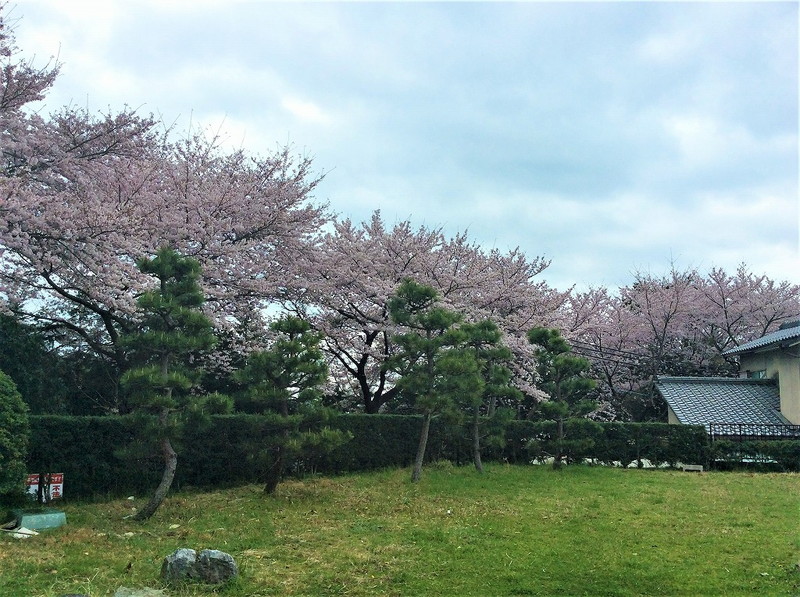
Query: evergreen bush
x=14 y=437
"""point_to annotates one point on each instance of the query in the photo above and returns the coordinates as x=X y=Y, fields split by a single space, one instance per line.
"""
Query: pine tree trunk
x=423 y=444
x=559 y=442
x=476 y=441
x=275 y=472
x=170 y=464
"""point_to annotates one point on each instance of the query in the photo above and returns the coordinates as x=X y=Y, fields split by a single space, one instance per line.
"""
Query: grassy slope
x=512 y=531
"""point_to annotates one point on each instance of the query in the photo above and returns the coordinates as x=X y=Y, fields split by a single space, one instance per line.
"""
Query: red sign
x=55 y=481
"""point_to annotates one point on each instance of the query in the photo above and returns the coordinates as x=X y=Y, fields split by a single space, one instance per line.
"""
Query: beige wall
x=786 y=368
x=671 y=418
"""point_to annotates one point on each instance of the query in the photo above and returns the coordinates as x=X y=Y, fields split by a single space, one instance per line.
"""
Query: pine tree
x=172 y=331
x=562 y=377
x=285 y=382
x=433 y=365
x=484 y=339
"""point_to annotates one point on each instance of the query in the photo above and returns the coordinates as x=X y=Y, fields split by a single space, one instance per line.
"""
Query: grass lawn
x=512 y=531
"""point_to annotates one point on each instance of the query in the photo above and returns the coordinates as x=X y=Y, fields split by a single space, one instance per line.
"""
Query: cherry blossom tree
x=674 y=324
x=357 y=268
x=82 y=197
x=744 y=306
x=600 y=327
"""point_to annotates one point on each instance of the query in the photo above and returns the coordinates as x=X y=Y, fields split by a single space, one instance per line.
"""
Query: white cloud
x=704 y=140
x=668 y=48
x=306 y=111
x=606 y=136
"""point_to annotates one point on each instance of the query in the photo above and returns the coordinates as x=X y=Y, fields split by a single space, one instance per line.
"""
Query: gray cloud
x=606 y=136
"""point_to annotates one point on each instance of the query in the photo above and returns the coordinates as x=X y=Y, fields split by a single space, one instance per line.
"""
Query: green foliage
x=52 y=381
x=435 y=367
x=290 y=373
x=14 y=437
x=608 y=443
x=172 y=331
x=578 y=442
x=561 y=375
x=484 y=341
x=284 y=384
x=26 y=357
x=379 y=441
x=431 y=367
x=228 y=450
x=781 y=455
x=86 y=450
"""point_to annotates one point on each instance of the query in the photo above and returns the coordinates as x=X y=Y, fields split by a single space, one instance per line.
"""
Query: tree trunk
x=492 y=406
x=170 y=464
x=423 y=444
x=476 y=441
x=559 y=442
x=275 y=472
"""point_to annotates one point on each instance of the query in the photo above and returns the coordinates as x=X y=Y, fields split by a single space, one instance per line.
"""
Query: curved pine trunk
x=423 y=444
x=170 y=465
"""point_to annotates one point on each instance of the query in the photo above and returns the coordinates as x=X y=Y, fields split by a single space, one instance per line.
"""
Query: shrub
x=14 y=437
x=781 y=455
x=607 y=442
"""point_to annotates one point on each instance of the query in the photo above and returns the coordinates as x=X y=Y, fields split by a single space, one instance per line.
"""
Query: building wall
x=671 y=418
x=785 y=368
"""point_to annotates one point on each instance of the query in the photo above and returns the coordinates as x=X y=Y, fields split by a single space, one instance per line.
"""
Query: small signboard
x=53 y=486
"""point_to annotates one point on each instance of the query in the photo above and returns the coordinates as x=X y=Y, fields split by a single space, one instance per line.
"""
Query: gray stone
x=216 y=566
x=211 y=566
x=179 y=566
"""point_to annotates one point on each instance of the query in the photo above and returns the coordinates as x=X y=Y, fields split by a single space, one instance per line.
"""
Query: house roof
x=704 y=400
x=789 y=336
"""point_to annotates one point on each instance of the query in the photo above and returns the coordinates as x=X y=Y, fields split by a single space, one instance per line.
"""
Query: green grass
x=511 y=531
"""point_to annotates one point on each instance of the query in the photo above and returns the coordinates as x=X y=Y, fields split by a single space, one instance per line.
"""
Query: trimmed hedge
x=105 y=456
x=659 y=443
x=779 y=455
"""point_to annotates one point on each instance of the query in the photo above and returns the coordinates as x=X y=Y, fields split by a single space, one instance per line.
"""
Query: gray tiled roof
x=704 y=400
x=791 y=335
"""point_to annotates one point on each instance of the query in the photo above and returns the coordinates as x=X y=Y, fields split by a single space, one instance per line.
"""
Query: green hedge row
x=103 y=456
x=779 y=455
x=610 y=442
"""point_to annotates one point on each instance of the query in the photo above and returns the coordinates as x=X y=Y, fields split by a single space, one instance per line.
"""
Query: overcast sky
x=607 y=137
